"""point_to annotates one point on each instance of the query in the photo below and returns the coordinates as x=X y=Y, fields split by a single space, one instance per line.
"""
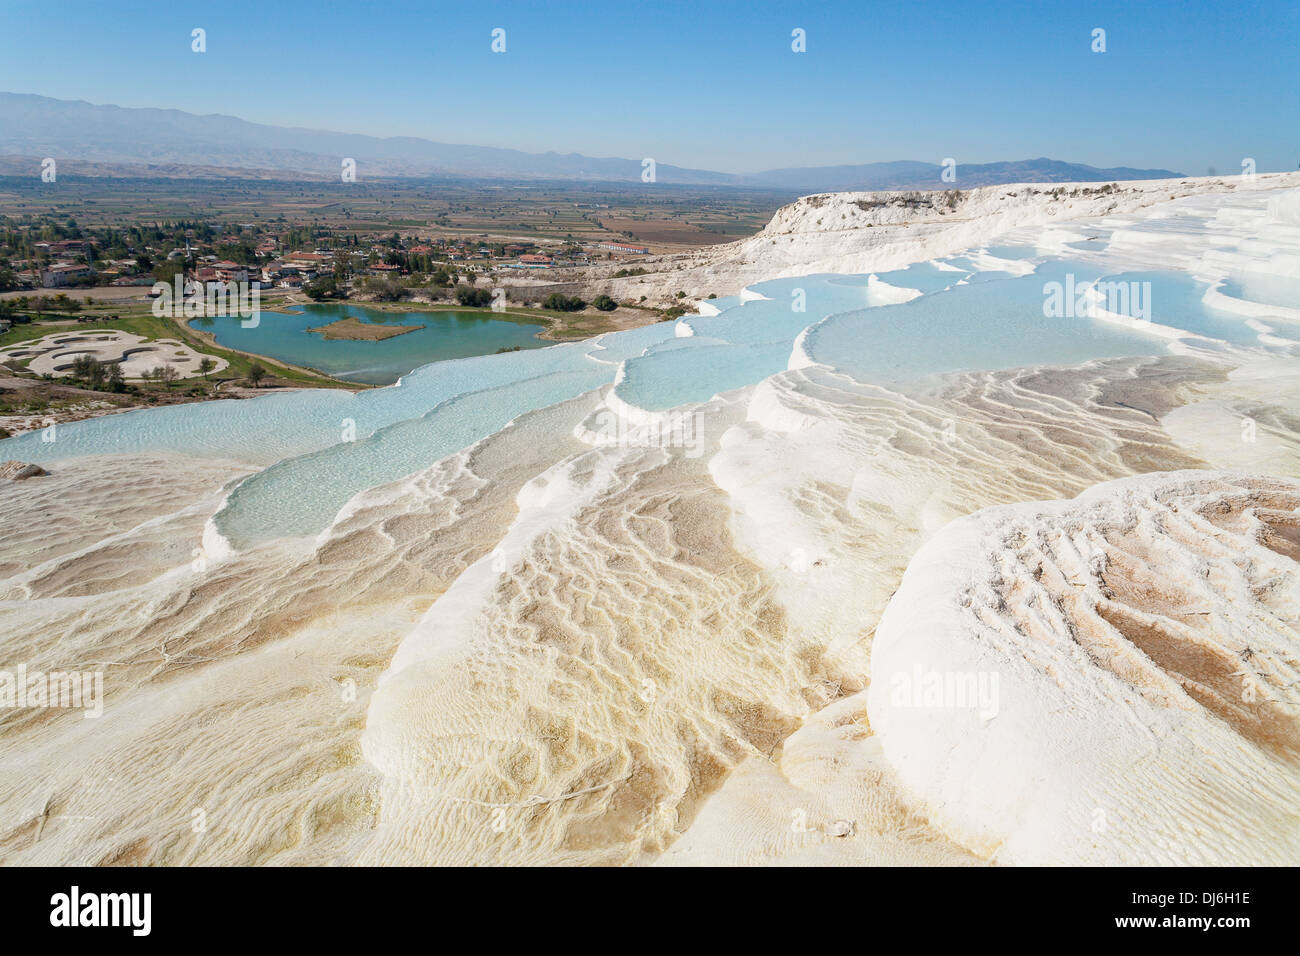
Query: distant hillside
x=169 y=142
x=39 y=125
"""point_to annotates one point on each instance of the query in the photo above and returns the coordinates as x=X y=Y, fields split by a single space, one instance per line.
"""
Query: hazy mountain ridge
x=32 y=125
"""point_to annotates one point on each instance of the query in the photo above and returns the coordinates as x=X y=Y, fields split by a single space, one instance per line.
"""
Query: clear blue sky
x=1183 y=85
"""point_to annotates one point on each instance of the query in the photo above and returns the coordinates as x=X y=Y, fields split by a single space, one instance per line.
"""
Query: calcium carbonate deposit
x=961 y=532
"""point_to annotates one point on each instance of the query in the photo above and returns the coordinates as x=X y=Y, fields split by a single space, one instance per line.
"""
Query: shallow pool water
x=1264 y=288
x=896 y=328
x=991 y=324
x=440 y=336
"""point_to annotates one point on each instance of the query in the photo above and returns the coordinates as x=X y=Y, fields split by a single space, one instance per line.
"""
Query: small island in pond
x=353 y=328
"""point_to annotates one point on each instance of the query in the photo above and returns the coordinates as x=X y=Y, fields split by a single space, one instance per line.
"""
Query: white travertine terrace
x=1143 y=642
x=857 y=233
x=547 y=648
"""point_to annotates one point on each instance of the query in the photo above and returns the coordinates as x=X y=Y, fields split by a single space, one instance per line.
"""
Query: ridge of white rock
x=861 y=232
x=1113 y=679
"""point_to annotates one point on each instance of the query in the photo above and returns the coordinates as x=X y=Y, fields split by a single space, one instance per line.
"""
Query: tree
x=116 y=383
x=559 y=302
x=88 y=369
x=206 y=366
x=166 y=271
x=324 y=288
x=167 y=374
x=97 y=374
x=386 y=290
x=81 y=367
x=605 y=303
x=255 y=374
x=472 y=297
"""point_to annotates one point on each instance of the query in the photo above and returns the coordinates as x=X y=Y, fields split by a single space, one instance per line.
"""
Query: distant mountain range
x=163 y=141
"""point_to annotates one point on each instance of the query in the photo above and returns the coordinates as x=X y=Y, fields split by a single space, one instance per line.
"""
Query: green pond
x=442 y=335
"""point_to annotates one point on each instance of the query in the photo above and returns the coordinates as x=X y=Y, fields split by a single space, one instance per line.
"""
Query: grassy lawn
x=146 y=324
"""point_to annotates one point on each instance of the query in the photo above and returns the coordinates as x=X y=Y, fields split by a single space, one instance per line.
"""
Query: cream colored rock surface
x=1141 y=646
x=550 y=648
x=19 y=470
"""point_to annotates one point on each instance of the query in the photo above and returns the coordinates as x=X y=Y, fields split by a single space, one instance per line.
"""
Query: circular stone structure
x=54 y=354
